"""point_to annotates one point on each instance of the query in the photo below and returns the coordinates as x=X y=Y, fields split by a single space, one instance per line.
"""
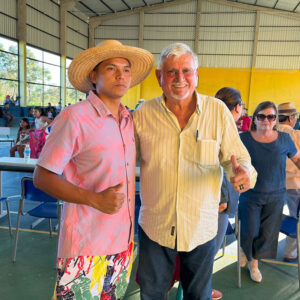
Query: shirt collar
x=102 y=110
x=198 y=104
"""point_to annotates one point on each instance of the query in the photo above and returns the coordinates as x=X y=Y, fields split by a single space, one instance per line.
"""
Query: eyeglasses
x=262 y=117
x=294 y=116
x=185 y=72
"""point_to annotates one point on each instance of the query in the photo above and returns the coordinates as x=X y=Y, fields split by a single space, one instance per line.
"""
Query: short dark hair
x=38 y=108
x=261 y=106
x=27 y=122
x=230 y=96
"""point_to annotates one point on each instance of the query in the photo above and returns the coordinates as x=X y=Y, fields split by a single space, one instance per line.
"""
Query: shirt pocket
x=206 y=153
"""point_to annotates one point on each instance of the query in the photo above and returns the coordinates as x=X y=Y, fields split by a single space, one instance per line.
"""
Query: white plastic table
x=14 y=164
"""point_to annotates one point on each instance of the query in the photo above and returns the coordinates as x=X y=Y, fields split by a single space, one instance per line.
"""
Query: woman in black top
x=260 y=208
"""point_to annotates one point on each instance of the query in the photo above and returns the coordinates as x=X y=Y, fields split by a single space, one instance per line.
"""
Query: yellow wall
x=256 y=86
x=275 y=85
x=213 y=79
x=147 y=90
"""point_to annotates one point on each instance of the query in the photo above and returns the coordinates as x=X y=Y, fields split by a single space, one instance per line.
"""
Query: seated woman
x=22 y=138
x=260 y=208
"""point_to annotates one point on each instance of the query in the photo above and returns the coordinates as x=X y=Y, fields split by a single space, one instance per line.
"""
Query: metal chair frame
x=287 y=227
x=237 y=232
x=44 y=199
x=8 y=212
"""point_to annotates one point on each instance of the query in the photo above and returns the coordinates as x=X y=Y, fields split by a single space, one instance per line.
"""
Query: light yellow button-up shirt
x=181 y=171
x=292 y=171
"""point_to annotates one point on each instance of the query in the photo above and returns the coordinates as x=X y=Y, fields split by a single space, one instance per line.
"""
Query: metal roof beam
x=81 y=3
x=252 y=7
x=99 y=19
x=126 y=4
x=106 y=5
x=296 y=7
x=275 y=4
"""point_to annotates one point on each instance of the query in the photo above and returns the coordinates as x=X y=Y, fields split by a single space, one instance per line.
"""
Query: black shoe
x=289 y=258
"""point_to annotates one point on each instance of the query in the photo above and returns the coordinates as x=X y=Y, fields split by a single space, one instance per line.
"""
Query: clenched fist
x=110 y=200
x=241 y=179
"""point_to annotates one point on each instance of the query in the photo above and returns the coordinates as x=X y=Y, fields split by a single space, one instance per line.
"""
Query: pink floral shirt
x=94 y=152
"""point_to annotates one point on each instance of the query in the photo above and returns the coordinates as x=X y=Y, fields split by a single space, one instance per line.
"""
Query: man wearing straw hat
x=92 y=145
x=288 y=115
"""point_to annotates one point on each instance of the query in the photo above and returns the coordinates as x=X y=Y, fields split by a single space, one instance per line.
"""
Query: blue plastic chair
x=2 y=199
x=48 y=207
x=290 y=226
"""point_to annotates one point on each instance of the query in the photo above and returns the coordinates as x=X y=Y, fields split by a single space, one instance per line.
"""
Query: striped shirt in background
x=181 y=171
x=292 y=171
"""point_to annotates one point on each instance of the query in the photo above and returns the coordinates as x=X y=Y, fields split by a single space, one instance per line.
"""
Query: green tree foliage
x=8 y=70
x=37 y=93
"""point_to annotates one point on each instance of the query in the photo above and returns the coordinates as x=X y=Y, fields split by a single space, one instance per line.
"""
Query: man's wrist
x=91 y=199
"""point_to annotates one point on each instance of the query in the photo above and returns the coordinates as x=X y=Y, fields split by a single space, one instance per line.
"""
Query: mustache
x=181 y=84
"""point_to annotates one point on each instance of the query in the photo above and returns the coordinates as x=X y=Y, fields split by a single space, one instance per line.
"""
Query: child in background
x=41 y=121
x=40 y=133
x=22 y=138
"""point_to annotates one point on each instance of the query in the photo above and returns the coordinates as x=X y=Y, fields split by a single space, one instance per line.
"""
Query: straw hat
x=287 y=109
x=141 y=62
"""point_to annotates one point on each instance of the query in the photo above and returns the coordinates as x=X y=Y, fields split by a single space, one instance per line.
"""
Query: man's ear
x=158 y=76
x=93 y=76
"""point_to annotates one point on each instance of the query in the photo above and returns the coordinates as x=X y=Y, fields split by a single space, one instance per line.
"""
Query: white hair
x=176 y=49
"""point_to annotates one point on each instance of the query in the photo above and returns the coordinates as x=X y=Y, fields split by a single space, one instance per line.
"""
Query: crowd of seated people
x=7 y=115
x=11 y=101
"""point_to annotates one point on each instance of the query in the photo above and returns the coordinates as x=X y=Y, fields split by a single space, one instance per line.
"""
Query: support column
x=197 y=27
x=253 y=60
x=63 y=88
x=65 y=5
x=141 y=45
x=21 y=36
x=92 y=26
x=141 y=29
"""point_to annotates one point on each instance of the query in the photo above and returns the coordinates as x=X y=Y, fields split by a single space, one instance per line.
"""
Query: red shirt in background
x=243 y=123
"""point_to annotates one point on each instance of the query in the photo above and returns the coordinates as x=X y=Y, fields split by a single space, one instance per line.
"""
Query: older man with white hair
x=183 y=138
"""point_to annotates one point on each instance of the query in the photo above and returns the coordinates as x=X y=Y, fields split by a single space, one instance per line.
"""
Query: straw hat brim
x=280 y=113
x=141 y=62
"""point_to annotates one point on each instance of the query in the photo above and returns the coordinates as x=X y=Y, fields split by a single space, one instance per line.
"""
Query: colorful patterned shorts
x=94 y=277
